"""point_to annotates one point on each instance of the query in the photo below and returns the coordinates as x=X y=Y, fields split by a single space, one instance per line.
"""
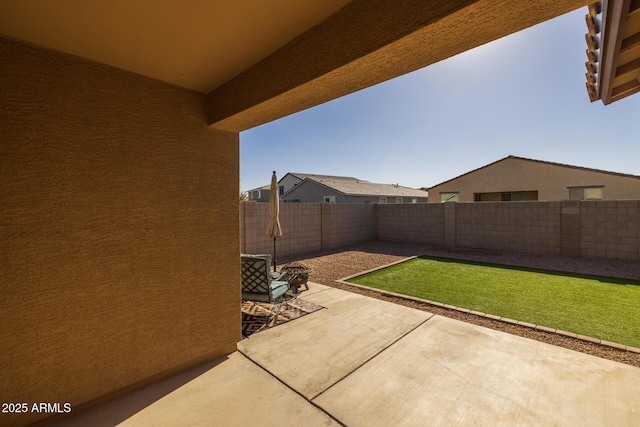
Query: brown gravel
x=329 y=266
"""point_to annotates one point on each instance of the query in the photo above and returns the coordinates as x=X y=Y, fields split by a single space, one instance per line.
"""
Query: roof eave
x=619 y=35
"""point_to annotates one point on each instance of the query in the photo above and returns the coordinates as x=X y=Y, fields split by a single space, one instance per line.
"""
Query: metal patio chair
x=259 y=285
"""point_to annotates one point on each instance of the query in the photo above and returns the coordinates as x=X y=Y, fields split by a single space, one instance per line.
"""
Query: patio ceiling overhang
x=613 y=50
x=260 y=61
x=355 y=48
x=193 y=44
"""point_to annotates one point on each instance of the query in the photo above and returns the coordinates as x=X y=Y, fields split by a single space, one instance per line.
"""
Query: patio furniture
x=296 y=274
x=275 y=275
x=258 y=284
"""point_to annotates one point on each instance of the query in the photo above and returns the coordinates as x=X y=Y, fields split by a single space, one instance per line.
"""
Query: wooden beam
x=591 y=79
x=614 y=16
x=592 y=25
x=591 y=91
x=592 y=56
x=630 y=42
x=592 y=42
x=628 y=68
x=363 y=44
x=634 y=7
x=595 y=9
x=625 y=89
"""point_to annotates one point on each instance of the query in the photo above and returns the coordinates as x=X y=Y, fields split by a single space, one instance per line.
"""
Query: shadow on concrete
x=109 y=413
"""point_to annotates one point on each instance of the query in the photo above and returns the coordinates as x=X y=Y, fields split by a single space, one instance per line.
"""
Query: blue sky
x=522 y=95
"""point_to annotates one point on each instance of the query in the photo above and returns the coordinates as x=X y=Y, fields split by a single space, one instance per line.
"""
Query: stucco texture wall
x=311 y=192
x=119 y=210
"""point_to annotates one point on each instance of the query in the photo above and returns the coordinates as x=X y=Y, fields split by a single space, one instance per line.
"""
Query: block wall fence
x=307 y=227
x=594 y=229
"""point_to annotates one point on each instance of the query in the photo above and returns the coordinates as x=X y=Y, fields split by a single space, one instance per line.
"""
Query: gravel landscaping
x=330 y=266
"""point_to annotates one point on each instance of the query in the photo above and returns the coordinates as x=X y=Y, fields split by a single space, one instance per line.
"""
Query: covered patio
x=366 y=362
x=120 y=127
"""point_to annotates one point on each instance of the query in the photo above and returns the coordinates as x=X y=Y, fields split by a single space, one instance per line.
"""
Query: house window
x=254 y=195
x=383 y=200
x=329 y=199
x=414 y=200
x=399 y=200
x=593 y=192
x=450 y=197
x=512 y=197
x=281 y=190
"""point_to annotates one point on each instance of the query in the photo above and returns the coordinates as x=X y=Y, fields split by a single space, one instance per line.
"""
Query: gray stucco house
x=328 y=189
x=292 y=179
x=260 y=194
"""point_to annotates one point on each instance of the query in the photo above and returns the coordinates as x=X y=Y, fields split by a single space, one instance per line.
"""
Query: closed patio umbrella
x=274 y=230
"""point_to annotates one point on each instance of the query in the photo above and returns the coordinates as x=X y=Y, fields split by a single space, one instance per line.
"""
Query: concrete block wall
x=410 y=223
x=345 y=224
x=306 y=227
x=436 y=224
x=610 y=229
x=570 y=230
x=450 y=231
x=598 y=229
x=533 y=227
x=301 y=228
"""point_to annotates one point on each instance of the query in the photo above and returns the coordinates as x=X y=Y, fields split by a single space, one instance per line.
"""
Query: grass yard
x=608 y=309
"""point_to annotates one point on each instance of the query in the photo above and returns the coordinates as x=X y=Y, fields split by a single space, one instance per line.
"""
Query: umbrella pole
x=274 y=254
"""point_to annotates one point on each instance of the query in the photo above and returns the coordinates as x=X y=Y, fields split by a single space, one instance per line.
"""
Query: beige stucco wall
x=118 y=212
x=551 y=181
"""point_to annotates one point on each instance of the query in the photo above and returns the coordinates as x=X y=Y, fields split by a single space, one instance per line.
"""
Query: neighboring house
x=292 y=179
x=287 y=182
x=260 y=194
x=330 y=190
x=517 y=178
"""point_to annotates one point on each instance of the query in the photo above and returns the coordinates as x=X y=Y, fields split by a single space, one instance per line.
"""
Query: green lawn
x=608 y=309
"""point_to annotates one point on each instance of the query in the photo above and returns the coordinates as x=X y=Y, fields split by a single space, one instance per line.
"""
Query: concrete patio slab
x=366 y=362
x=235 y=392
x=314 y=288
x=448 y=372
x=311 y=353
